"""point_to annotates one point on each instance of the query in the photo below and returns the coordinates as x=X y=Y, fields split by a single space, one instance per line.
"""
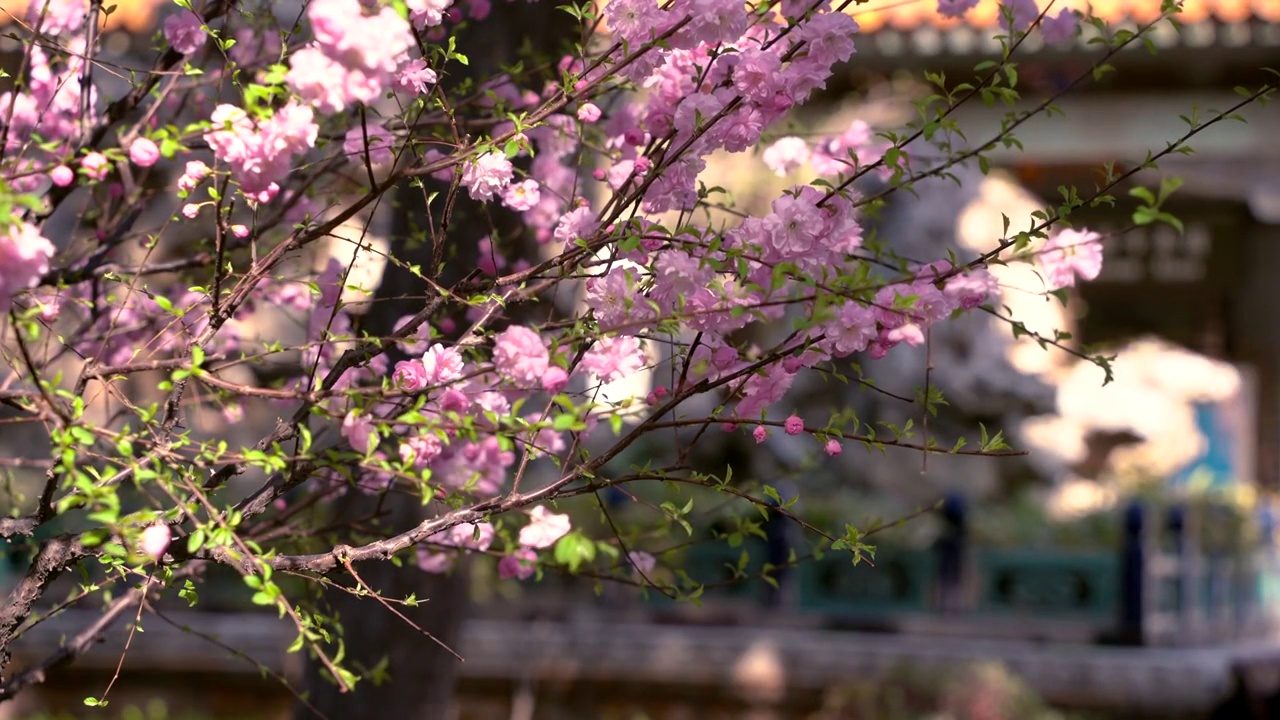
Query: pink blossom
x=588 y=112
x=522 y=196
x=373 y=138
x=1071 y=254
x=1060 y=28
x=555 y=379
x=643 y=562
x=430 y=561
x=190 y=211
x=239 y=231
x=95 y=165
x=785 y=155
x=972 y=289
x=442 y=365
x=143 y=152
x=24 y=259
x=372 y=43
x=62 y=176
x=410 y=375
x=520 y=355
x=415 y=76
x=487 y=175
x=758 y=74
x=419 y=450
x=479 y=9
x=61 y=17
x=154 y=541
x=544 y=528
x=184 y=32
x=321 y=81
x=613 y=297
x=261 y=156
x=427 y=13
x=578 y=224
x=955 y=8
x=472 y=536
x=794 y=425
x=851 y=330
x=763 y=389
x=467 y=536
x=195 y=171
x=359 y=430
x=1023 y=12
x=613 y=358
x=521 y=564
x=760 y=434
x=635 y=21
x=710 y=21
x=833 y=447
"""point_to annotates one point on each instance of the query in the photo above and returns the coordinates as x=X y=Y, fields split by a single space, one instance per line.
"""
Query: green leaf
x=574 y=550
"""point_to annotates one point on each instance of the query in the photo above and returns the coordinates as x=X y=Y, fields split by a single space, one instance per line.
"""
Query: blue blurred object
x=1218 y=461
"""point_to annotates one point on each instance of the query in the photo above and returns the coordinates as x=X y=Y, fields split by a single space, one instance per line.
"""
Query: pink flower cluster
x=261 y=155
x=704 y=99
x=1070 y=254
x=42 y=123
x=356 y=55
x=465 y=537
x=185 y=32
x=24 y=258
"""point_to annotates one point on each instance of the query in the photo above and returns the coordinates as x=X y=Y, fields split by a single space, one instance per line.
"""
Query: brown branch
x=74 y=648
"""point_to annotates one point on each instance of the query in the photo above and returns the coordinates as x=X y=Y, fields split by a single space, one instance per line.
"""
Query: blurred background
x=1125 y=569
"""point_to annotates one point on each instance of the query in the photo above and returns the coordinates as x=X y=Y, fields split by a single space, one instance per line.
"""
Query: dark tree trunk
x=423 y=674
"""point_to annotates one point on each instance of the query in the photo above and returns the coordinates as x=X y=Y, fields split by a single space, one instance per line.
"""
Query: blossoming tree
x=165 y=285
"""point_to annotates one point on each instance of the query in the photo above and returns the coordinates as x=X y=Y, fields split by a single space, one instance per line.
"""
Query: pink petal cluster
x=544 y=529
x=184 y=32
x=521 y=356
x=415 y=76
x=96 y=166
x=487 y=175
x=427 y=13
x=143 y=152
x=261 y=155
x=370 y=141
x=356 y=55
x=195 y=171
x=1070 y=254
x=62 y=176
x=614 y=358
x=60 y=17
x=24 y=259
x=520 y=564
x=1060 y=28
x=49 y=107
x=955 y=8
x=785 y=155
x=522 y=196
x=442 y=365
x=794 y=425
x=1022 y=13
x=410 y=375
x=474 y=537
x=359 y=430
